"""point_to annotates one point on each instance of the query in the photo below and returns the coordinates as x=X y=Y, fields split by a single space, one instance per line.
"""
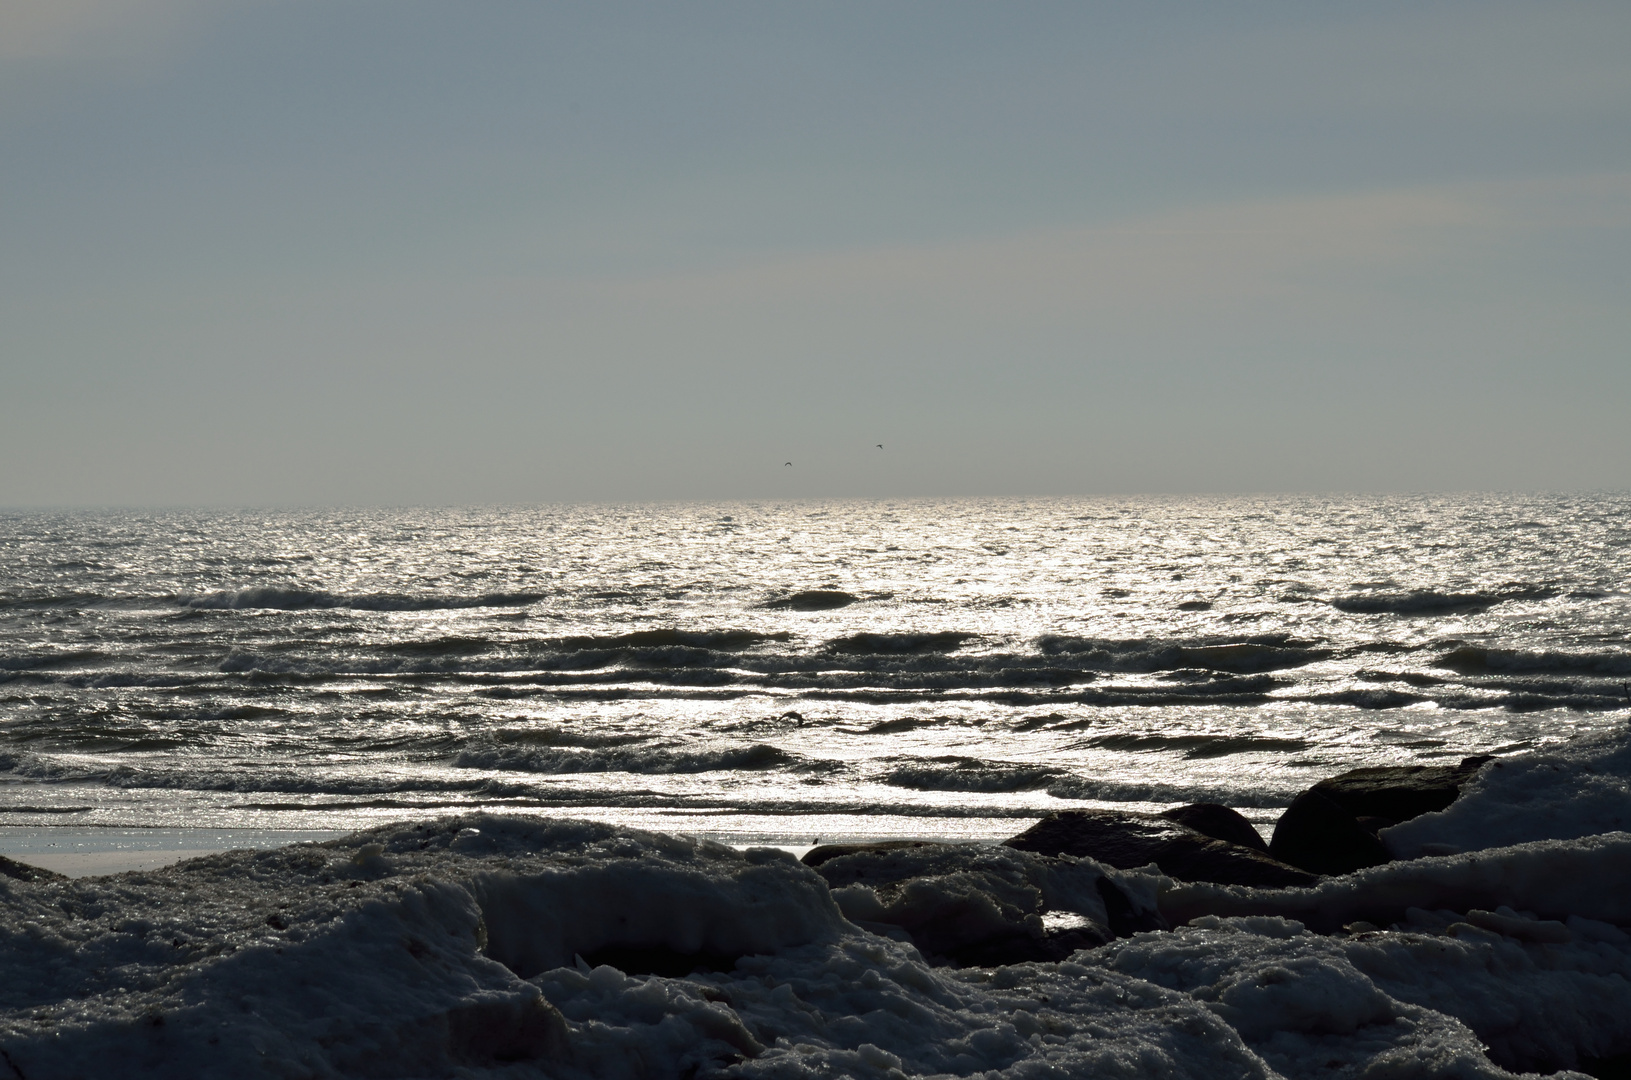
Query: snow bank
x=1394 y=1003
x=396 y=952
x=1589 y=877
x=505 y=947
x=866 y=1006
x=1578 y=789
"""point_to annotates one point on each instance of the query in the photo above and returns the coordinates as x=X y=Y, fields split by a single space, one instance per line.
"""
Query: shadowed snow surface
x=466 y=947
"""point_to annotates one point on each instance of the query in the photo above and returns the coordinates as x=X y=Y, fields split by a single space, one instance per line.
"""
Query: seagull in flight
x=880 y=446
x=789 y=463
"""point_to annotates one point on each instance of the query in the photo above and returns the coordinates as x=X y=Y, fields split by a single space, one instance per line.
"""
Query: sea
x=788 y=673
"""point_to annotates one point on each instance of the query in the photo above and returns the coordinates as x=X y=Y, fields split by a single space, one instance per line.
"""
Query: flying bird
x=789 y=463
x=880 y=446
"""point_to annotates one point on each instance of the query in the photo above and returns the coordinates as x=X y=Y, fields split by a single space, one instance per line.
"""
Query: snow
x=863 y=1006
x=410 y=951
x=1303 y=1001
x=487 y=946
x=1589 y=877
x=1578 y=788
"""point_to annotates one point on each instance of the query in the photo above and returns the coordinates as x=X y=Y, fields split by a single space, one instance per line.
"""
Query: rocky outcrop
x=1317 y=834
x=975 y=905
x=826 y=852
x=1219 y=822
x=1331 y=828
x=1127 y=841
x=970 y=904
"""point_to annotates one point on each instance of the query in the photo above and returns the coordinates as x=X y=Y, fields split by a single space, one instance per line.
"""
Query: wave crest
x=1433 y=602
x=651 y=760
x=1238 y=656
x=971 y=774
x=277 y=599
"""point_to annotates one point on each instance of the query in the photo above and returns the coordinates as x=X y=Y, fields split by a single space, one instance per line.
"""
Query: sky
x=280 y=252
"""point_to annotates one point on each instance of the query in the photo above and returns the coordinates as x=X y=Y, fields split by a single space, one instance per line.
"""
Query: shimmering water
x=950 y=668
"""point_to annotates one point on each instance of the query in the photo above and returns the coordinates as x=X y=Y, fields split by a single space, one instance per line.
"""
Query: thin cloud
x=1208 y=255
x=65 y=30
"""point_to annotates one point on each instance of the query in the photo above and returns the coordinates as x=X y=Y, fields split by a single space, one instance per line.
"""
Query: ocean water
x=783 y=672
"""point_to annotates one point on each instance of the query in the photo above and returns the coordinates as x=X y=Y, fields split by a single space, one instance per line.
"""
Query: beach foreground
x=488 y=945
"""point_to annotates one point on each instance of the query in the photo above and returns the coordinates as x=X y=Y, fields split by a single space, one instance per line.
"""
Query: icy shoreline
x=91 y=851
x=466 y=947
x=503 y=946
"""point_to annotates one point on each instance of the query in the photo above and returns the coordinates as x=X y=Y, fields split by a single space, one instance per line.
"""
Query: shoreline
x=78 y=851
x=81 y=851
x=98 y=850
x=573 y=948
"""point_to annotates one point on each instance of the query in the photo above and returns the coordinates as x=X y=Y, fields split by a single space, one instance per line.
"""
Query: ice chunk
x=1589 y=877
x=1577 y=789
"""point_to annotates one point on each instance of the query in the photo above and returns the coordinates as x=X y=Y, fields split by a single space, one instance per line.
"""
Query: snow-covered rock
x=1579 y=788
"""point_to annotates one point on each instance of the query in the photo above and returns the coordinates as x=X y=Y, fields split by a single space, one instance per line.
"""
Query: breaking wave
x=970 y=774
x=1251 y=792
x=543 y=759
x=898 y=644
x=1198 y=746
x=1271 y=653
x=719 y=640
x=1475 y=659
x=1432 y=602
x=274 y=599
x=813 y=600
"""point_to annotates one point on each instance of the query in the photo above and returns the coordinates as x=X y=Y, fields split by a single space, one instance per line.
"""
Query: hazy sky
x=277 y=251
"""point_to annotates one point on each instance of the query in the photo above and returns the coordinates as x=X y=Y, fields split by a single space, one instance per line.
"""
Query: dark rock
x=1399 y=793
x=1318 y=835
x=1051 y=947
x=1331 y=828
x=1127 y=841
x=659 y=960
x=24 y=872
x=818 y=855
x=966 y=904
x=1615 y=1067
x=1124 y=919
x=1119 y=839
x=1062 y=943
x=1219 y=822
